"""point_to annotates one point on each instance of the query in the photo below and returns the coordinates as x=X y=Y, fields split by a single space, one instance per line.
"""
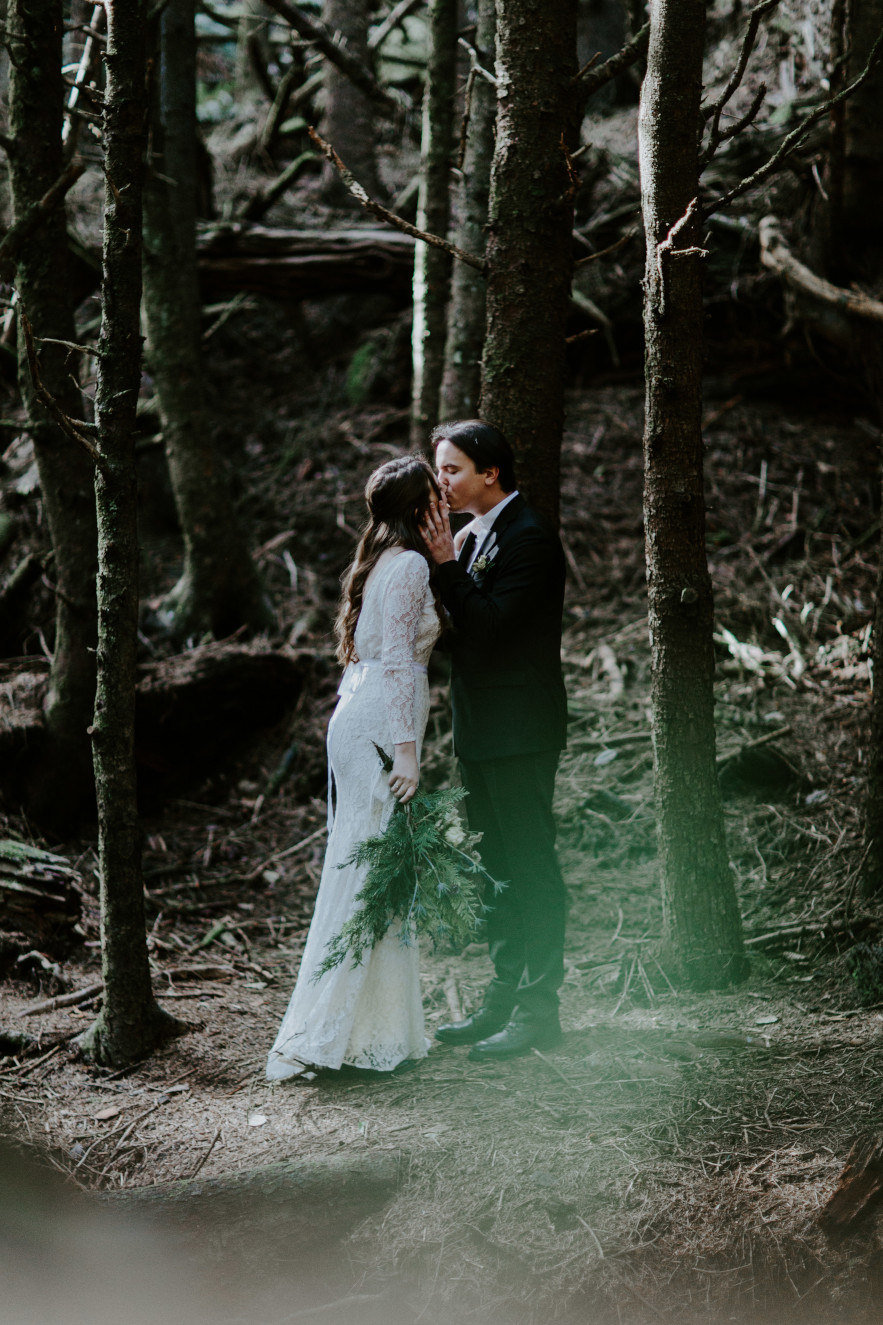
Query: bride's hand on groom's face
x=405 y=775
x=437 y=535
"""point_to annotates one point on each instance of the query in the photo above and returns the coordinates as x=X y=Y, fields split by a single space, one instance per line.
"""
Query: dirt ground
x=671 y=1159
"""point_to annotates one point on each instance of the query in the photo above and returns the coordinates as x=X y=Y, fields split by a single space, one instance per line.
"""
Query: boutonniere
x=482 y=563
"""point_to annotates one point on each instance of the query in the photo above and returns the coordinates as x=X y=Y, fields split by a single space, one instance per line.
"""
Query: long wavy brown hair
x=398 y=495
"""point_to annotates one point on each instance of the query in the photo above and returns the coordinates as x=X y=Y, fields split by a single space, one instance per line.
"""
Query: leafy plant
x=424 y=874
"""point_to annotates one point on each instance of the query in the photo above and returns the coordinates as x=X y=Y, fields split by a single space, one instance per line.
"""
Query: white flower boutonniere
x=482 y=563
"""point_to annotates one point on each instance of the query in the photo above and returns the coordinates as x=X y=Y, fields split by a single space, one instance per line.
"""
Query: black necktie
x=466 y=550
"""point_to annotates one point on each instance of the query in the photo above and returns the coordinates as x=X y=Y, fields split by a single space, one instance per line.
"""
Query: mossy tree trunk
x=66 y=481
x=461 y=377
x=703 y=930
x=529 y=253
x=349 y=113
x=219 y=590
x=432 y=266
x=130 y=1023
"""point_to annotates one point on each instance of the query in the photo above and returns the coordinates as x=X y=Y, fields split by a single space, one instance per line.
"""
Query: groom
x=502 y=581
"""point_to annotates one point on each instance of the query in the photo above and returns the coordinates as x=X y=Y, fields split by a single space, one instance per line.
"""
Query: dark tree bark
x=35 y=163
x=461 y=378
x=703 y=929
x=219 y=589
x=854 y=177
x=855 y=253
x=253 y=48
x=349 y=117
x=432 y=266
x=529 y=255
x=130 y=1023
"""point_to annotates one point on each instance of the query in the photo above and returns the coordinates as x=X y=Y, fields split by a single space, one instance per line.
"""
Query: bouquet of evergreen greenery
x=423 y=873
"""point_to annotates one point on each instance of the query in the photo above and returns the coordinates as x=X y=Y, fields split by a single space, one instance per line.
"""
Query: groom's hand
x=437 y=534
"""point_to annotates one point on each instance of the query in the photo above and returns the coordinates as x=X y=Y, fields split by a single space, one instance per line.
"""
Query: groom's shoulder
x=526 y=519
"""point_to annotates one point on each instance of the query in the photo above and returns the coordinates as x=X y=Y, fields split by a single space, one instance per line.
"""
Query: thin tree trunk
x=529 y=256
x=66 y=481
x=702 y=925
x=432 y=266
x=852 y=251
x=461 y=378
x=349 y=115
x=130 y=1022
x=219 y=589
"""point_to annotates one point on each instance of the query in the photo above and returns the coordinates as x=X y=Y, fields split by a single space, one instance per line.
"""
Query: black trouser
x=510 y=803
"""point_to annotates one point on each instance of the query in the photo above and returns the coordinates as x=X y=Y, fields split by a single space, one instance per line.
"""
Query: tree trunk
x=702 y=924
x=854 y=177
x=855 y=171
x=35 y=163
x=219 y=589
x=529 y=255
x=130 y=1023
x=432 y=266
x=253 y=48
x=349 y=115
x=461 y=379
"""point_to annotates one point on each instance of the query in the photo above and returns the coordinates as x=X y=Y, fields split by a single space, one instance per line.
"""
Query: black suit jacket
x=506 y=683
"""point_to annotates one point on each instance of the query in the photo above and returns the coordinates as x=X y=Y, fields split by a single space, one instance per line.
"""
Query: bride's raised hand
x=436 y=531
x=405 y=775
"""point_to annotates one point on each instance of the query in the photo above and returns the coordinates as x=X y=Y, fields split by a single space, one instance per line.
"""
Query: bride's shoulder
x=411 y=564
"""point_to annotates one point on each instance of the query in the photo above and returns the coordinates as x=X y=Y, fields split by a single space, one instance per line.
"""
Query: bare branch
x=725 y=135
x=796 y=136
x=330 y=45
x=263 y=200
x=611 y=248
x=775 y=254
x=377 y=209
x=475 y=66
x=587 y=84
x=589 y=64
x=216 y=17
x=70 y=427
x=714 y=110
x=37 y=212
x=87 y=57
x=392 y=20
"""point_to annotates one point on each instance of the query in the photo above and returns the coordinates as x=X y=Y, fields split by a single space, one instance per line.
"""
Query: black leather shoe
x=478 y=1026
x=516 y=1039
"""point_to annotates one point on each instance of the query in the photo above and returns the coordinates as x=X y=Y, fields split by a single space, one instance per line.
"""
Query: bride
x=370 y=1015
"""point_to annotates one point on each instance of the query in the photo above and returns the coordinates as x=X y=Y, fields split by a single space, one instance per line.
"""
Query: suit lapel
x=507 y=515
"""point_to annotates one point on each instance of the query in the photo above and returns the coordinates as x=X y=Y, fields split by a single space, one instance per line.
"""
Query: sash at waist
x=356 y=672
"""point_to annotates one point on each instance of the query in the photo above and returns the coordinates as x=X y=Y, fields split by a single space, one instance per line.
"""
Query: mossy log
x=40 y=896
x=192 y=710
x=304 y=264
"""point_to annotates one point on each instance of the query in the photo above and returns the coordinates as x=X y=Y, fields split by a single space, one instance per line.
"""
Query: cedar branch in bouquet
x=424 y=874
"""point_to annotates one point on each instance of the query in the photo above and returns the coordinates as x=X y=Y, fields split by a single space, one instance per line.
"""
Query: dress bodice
x=398 y=621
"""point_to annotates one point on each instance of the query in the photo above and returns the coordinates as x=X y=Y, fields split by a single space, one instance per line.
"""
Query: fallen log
x=775 y=254
x=304 y=264
x=40 y=895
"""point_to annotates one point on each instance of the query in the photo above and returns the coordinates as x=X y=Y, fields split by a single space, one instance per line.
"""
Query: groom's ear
x=491 y=475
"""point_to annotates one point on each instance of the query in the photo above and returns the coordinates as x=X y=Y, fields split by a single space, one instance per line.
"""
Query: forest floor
x=670 y=1159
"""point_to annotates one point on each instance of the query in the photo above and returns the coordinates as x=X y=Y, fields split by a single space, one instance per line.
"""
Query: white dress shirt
x=481 y=527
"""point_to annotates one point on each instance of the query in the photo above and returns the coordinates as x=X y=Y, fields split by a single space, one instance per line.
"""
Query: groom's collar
x=482 y=525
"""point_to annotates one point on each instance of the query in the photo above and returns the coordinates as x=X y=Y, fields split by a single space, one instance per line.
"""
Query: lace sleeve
x=402 y=610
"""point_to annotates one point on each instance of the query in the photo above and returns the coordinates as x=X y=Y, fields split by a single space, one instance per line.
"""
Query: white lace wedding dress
x=369 y=1015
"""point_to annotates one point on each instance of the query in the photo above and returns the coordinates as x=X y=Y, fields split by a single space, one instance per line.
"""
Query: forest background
x=219 y=317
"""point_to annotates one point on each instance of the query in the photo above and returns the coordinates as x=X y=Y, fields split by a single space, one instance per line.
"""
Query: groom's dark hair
x=485 y=446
